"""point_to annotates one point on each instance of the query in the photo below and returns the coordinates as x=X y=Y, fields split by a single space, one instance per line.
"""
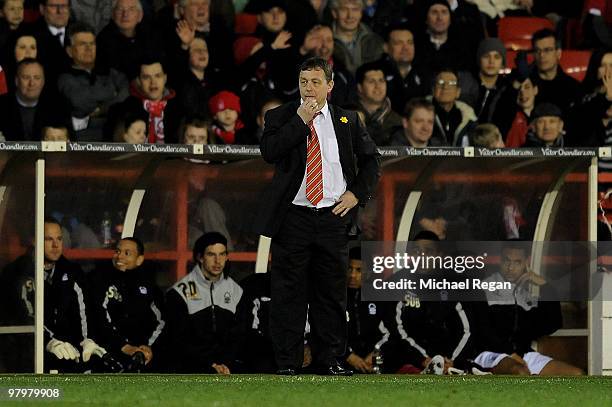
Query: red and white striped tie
x=314 y=166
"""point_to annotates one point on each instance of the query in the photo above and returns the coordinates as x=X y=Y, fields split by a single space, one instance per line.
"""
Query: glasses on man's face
x=128 y=10
x=547 y=50
x=58 y=8
x=441 y=83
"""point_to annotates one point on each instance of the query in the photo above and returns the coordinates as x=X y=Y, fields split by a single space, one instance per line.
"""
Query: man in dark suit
x=51 y=34
x=326 y=163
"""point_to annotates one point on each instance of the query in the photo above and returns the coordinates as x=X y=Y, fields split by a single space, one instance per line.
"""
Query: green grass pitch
x=268 y=390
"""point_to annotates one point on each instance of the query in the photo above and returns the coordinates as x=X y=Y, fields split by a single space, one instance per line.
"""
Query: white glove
x=91 y=348
x=63 y=350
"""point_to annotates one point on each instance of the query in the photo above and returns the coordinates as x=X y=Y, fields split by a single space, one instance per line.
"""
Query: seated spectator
x=355 y=43
x=126 y=40
x=51 y=33
x=132 y=129
x=319 y=42
x=590 y=120
x=547 y=123
x=520 y=319
x=194 y=130
x=483 y=91
x=12 y=13
x=554 y=85
x=405 y=79
x=127 y=307
x=513 y=111
x=89 y=88
x=24 y=111
x=11 y=17
x=382 y=123
x=203 y=310
x=418 y=124
x=270 y=55
x=486 y=135
x=227 y=126
x=52 y=133
x=454 y=118
x=442 y=45
x=195 y=14
x=150 y=95
x=20 y=46
x=197 y=81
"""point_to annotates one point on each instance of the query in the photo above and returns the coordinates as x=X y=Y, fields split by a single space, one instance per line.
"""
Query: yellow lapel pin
x=344 y=120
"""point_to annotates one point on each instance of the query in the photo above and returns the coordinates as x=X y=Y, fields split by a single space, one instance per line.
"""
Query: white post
x=39 y=279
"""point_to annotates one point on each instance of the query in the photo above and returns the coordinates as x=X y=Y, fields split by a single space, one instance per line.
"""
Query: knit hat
x=431 y=3
x=224 y=100
x=207 y=239
x=546 y=109
x=491 y=44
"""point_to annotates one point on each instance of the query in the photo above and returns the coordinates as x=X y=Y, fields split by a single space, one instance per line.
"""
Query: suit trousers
x=309 y=272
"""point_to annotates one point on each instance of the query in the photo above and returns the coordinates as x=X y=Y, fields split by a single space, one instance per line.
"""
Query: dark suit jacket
x=51 y=52
x=49 y=110
x=284 y=144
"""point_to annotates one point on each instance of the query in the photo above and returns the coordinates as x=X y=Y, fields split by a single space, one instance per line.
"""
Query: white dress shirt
x=334 y=184
x=61 y=31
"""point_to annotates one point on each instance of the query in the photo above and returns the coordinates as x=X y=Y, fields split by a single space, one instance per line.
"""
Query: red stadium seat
x=245 y=23
x=516 y=32
x=575 y=63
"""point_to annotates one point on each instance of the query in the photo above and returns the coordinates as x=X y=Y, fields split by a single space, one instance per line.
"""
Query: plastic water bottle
x=377 y=360
x=107 y=237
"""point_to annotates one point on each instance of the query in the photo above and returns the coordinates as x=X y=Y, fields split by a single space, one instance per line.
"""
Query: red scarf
x=228 y=137
x=156 y=111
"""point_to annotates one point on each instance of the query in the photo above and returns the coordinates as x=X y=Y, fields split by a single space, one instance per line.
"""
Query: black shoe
x=335 y=370
x=286 y=372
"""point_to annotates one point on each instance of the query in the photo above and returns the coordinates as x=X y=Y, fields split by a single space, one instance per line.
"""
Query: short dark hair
x=79 y=27
x=28 y=61
x=139 y=244
x=417 y=103
x=401 y=26
x=368 y=67
x=545 y=33
x=316 y=63
x=151 y=60
x=193 y=120
x=207 y=239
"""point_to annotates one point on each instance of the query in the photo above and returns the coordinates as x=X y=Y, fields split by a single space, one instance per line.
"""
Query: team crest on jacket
x=65 y=277
x=113 y=294
x=372 y=309
x=143 y=290
x=227 y=297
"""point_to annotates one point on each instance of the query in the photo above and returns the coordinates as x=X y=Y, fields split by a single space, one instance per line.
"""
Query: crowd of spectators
x=137 y=70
